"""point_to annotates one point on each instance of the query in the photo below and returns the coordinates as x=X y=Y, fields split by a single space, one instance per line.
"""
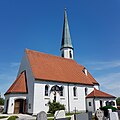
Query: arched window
x=86 y=90
x=46 y=90
x=61 y=90
x=101 y=103
x=62 y=54
x=107 y=103
x=74 y=91
x=70 y=54
x=112 y=103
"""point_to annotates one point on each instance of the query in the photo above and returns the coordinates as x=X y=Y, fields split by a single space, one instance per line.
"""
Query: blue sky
x=37 y=25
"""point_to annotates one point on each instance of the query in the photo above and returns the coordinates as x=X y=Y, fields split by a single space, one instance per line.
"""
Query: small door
x=19 y=106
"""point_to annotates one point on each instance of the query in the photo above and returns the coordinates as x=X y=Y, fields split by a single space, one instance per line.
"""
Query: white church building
x=43 y=77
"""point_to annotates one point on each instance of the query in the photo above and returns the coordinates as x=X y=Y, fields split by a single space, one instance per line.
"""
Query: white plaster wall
x=97 y=104
x=11 y=103
x=78 y=102
x=104 y=100
x=30 y=81
x=97 y=86
x=90 y=108
x=67 y=52
x=41 y=101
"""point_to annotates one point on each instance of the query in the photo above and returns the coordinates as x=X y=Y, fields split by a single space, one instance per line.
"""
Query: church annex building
x=42 y=78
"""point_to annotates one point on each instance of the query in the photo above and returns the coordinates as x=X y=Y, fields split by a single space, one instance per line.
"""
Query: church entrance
x=19 y=106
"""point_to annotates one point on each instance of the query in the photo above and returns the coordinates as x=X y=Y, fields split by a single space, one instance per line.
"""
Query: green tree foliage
x=118 y=101
x=54 y=106
x=1 y=101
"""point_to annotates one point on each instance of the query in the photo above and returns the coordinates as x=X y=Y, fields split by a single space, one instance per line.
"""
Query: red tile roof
x=19 y=86
x=99 y=94
x=53 y=68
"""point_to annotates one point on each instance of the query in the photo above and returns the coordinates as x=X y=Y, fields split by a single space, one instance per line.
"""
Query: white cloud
x=107 y=74
x=103 y=65
x=111 y=83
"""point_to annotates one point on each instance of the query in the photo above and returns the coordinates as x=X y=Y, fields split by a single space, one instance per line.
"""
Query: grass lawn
x=1 y=117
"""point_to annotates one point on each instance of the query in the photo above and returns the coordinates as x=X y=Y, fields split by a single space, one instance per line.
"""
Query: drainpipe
x=68 y=99
x=86 y=104
x=94 y=104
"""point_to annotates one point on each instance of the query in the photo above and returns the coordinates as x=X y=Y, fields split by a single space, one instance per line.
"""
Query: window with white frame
x=46 y=90
x=63 y=54
x=90 y=104
x=61 y=91
x=74 y=91
x=70 y=54
x=86 y=91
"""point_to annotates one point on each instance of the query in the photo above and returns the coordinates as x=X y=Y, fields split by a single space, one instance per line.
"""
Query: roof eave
x=38 y=79
x=16 y=93
x=100 y=97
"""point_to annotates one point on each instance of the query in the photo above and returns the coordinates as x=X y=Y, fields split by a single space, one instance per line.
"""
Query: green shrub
x=12 y=118
x=1 y=117
x=118 y=101
x=54 y=106
x=105 y=109
x=109 y=107
x=2 y=101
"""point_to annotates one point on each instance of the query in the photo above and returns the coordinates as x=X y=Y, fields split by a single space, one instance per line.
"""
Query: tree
x=118 y=101
x=54 y=106
x=1 y=101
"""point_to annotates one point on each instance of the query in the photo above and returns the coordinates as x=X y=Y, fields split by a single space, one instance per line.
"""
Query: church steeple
x=66 y=45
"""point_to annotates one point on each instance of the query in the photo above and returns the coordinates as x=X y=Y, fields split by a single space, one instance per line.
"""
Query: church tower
x=66 y=45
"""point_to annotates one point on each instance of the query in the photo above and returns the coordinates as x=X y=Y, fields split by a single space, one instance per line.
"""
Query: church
x=43 y=77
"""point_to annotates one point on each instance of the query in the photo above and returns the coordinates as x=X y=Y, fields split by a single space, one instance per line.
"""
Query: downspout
x=68 y=100
x=86 y=104
x=94 y=104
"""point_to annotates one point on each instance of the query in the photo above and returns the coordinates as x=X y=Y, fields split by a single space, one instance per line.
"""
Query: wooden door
x=17 y=107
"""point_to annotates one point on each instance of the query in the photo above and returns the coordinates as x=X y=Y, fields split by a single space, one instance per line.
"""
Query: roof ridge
x=27 y=50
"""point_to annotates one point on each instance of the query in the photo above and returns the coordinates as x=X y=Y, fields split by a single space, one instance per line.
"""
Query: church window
x=70 y=54
x=46 y=90
x=89 y=103
x=61 y=90
x=74 y=91
x=101 y=104
x=86 y=90
x=112 y=103
x=62 y=54
x=107 y=103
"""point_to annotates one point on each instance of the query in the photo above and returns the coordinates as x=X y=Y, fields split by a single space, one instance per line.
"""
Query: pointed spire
x=66 y=39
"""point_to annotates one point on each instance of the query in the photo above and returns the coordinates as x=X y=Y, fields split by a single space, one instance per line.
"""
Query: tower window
x=62 y=54
x=46 y=90
x=74 y=91
x=70 y=54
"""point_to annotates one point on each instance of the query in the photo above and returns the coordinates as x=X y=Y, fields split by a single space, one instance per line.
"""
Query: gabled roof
x=53 y=68
x=99 y=94
x=19 y=86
